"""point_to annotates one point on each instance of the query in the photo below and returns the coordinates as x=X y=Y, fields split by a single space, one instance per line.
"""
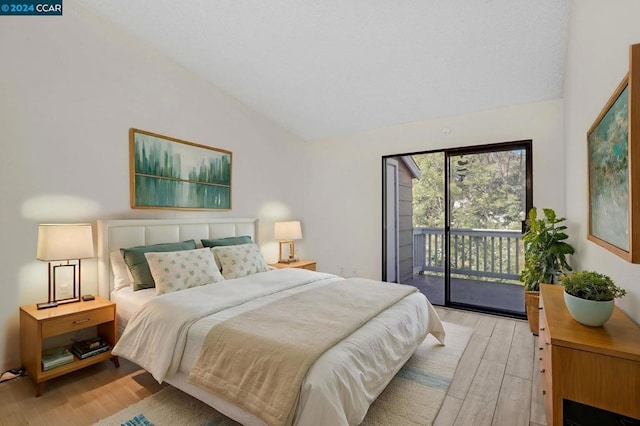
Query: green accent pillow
x=137 y=262
x=229 y=241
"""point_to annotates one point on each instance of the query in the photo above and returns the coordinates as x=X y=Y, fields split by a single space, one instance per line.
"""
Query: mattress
x=128 y=301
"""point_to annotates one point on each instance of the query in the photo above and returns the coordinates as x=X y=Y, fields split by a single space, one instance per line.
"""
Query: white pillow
x=240 y=260
x=121 y=275
x=179 y=270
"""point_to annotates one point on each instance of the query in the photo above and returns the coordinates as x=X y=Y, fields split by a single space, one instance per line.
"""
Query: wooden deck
x=482 y=294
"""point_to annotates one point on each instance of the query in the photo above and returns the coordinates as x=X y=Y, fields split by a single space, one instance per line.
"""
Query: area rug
x=413 y=397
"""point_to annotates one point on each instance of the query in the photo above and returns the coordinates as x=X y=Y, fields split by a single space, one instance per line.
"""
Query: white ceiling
x=325 y=68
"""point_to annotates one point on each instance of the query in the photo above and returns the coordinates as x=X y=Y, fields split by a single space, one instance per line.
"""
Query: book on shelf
x=55 y=357
x=89 y=347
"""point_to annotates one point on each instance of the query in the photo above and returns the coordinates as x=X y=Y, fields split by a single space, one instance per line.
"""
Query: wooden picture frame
x=613 y=144
x=169 y=173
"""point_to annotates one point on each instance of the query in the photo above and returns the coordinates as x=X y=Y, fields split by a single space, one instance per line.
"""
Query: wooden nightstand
x=38 y=325
x=300 y=264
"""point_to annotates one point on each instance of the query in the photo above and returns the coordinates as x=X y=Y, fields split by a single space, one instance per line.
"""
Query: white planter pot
x=589 y=312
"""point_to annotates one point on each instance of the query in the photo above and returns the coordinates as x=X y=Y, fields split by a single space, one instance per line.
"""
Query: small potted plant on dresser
x=589 y=297
x=545 y=258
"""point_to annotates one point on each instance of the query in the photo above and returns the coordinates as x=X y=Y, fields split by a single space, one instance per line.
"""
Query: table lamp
x=68 y=244
x=286 y=232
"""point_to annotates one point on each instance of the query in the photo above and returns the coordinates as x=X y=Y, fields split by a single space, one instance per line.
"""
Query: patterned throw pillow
x=137 y=262
x=238 y=261
x=179 y=270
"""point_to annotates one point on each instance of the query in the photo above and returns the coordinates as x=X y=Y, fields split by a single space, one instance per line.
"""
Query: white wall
x=601 y=33
x=343 y=211
x=70 y=89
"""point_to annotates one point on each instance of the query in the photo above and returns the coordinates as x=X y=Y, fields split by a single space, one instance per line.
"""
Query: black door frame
x=526 y=145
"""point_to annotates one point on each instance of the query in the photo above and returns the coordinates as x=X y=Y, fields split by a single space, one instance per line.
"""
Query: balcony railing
x=477 y=252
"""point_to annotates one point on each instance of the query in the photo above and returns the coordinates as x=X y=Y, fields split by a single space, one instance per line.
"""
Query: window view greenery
x=487 y=197
x=487 y=190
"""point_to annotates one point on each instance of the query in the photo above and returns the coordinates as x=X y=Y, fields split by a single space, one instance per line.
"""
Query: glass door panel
x=487 y=200
x=429 y=215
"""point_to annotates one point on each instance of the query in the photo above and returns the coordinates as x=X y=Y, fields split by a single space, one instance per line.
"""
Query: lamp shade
x=287 y=230
x=65 y=241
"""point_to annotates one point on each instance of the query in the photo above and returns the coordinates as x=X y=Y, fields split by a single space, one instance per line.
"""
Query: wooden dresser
x=595 y=366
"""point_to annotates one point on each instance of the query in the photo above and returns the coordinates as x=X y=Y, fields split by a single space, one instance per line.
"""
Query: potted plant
x=589 y=297
x=545 y=258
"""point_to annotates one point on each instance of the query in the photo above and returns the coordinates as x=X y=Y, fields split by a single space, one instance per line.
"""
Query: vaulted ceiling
x=327 y=68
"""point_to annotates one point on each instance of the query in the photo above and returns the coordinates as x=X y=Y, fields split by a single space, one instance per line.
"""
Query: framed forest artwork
x=614 y=168
x=169 y=173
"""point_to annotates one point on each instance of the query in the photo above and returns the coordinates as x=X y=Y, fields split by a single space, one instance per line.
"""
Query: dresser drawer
x=76 y=321
x=546 y=384
x=544 y=338
x=544 y=353
x=544 y=364
x=548 y=398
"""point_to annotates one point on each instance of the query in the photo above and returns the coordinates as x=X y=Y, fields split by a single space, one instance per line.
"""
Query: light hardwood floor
x=496 y=383
x=497 y=379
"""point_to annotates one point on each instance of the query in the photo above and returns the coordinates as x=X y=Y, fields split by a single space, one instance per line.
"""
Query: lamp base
x=287 y=260
x=46 y=305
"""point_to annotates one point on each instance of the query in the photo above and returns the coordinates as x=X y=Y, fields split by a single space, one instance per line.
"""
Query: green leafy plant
x=591 y=285
x=545 y=250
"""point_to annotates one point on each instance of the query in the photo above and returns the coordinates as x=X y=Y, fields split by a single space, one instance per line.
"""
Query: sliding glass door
x=468 y=211
x=487 y=204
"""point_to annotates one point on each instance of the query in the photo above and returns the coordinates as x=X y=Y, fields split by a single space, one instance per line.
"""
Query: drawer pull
x=540 y=358
x=81 y=321
x=544 y=392
x=541 y=328
x=540 y=348
x=542 y=371
x=539 y=308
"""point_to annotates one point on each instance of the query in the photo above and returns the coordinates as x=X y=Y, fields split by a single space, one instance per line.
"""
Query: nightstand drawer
x=76 y=321
x=311 y=266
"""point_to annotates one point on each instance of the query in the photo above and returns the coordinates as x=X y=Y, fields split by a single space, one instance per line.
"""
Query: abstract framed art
x=169 y=173
x=614 y=168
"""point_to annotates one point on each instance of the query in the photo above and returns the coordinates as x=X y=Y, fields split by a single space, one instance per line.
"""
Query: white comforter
x=166 y=334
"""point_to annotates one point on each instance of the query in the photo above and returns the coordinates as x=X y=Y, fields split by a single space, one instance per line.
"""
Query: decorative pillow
x=179 y=270
x=229 y=241
x=240 y=260
x=121 y=274
x=137 y=263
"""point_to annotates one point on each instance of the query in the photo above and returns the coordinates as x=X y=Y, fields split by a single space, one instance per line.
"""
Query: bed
x=341 y=383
